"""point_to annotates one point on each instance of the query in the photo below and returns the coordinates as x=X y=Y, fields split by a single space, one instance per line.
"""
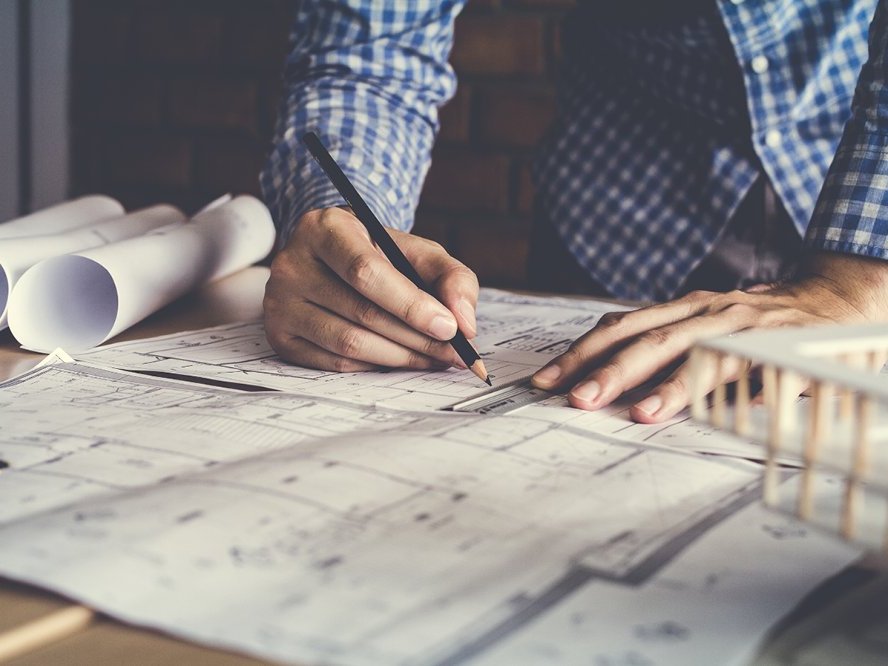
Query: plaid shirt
x=663 y=124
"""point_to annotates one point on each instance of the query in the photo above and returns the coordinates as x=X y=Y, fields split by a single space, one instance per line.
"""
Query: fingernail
x=443 y=328
x=588 y=391
x=548 y=375
x=468 y=312
x=650 y=405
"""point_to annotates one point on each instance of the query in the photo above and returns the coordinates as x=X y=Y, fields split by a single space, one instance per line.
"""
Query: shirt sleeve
x=851 y=214
x=368 y=76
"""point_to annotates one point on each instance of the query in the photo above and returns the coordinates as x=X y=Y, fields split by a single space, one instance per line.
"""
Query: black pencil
x=385 y=242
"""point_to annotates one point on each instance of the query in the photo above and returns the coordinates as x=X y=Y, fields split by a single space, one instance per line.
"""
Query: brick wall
x=175 y=101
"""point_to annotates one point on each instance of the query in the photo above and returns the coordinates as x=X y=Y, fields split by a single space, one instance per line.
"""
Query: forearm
x=372 y=96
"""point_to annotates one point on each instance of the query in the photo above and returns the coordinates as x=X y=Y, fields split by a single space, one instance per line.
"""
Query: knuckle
x=775 y=318
x=434 y=246
x=574 y=353
x=612 y=372
x=412 y=310
x=611 y=320
x=270 y=303
x=349 y=343
x=656 y=337
x=275 y=339
x=367 y=313
x=434 y=348
x=463 y=273
x=283 y=265
x=417 y=360
x=698 y=295
x=676 y=385
x=362 y=271
x=468 y=274
x=342 y=364
x=739 y=310
x=310 y=223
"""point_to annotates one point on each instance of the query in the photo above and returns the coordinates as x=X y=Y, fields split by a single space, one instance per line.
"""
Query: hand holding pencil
x=335 y=302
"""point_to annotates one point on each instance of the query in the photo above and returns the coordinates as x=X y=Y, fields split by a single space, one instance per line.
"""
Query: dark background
x=176 y=101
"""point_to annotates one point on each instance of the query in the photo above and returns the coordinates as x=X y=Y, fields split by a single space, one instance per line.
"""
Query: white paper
x=712 y=605
x=517 y=335
x=63 y=217
x=215 y=203
x=18 y=254
x=80 y=300
x=313 y=531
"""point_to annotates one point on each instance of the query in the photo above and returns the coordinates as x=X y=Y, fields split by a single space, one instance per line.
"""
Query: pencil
x=389 y=248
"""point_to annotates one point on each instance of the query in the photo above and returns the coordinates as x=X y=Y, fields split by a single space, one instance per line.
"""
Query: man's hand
x=334 y=302
x=628 y=348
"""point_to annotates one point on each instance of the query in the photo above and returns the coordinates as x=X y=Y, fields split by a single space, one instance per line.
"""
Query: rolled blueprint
x=63 y=217
x=18 y=254
x=80 y=300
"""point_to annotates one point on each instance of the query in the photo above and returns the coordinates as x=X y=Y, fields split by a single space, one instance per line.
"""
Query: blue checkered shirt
x=662 y=126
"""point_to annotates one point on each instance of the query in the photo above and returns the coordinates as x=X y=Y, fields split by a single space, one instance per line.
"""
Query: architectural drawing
x=314 y=530
x=517 y=335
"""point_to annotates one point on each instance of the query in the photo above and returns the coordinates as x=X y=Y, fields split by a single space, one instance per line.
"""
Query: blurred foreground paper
x=63 y=217
x=17 y=255
x=80 y=300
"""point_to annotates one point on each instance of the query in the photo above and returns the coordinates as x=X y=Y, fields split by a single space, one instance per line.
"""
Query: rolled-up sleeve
x=368 y=76
x=851 y=214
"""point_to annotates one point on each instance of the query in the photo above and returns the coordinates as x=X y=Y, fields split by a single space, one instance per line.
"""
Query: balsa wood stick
x=787 y=399
x=817 y=418
x=859 y=467
x=697 y=363
x=719 y=393
x=770 y=379
x=846 y=399
x=741 y=402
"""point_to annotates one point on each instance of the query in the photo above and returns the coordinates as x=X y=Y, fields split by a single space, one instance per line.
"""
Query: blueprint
x=513 y=342
x=310 y=530
x=697 y=609
x=517 y=335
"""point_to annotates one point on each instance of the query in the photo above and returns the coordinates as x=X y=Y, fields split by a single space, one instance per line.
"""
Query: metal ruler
x=503 y=400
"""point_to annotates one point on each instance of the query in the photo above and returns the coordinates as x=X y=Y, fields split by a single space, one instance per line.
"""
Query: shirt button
x=736 y=2
x=759 y=64
x=288 y=133
x=773 y=139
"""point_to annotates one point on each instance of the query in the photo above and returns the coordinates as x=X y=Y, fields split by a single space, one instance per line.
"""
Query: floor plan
x=382 y=535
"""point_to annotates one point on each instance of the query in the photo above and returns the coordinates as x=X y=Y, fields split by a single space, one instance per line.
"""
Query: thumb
x=458 y=290
x=454 y=283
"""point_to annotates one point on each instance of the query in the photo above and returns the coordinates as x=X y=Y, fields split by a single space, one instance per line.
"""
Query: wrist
x=860 y=282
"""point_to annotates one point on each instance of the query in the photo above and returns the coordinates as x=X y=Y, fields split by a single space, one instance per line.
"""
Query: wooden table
x=826 y=636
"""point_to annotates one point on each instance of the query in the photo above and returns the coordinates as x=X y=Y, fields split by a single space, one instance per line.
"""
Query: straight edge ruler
x=503 y=400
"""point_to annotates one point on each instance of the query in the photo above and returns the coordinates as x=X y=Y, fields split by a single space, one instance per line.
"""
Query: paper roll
x=18 y=254
x=80 y=300
x=63 y=217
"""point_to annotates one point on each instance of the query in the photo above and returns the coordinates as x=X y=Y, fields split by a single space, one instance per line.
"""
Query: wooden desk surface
x=815 y=639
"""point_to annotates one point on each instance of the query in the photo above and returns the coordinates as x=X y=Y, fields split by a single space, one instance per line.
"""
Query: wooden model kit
x=837 y=432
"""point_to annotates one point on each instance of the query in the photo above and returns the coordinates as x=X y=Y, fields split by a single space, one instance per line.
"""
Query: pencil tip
x=489 y=383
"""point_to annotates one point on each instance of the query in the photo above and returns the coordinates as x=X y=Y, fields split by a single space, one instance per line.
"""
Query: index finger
x=348 y=251
x=611 y=333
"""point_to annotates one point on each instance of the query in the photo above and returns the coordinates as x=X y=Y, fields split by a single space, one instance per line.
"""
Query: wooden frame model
x=838 y=434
